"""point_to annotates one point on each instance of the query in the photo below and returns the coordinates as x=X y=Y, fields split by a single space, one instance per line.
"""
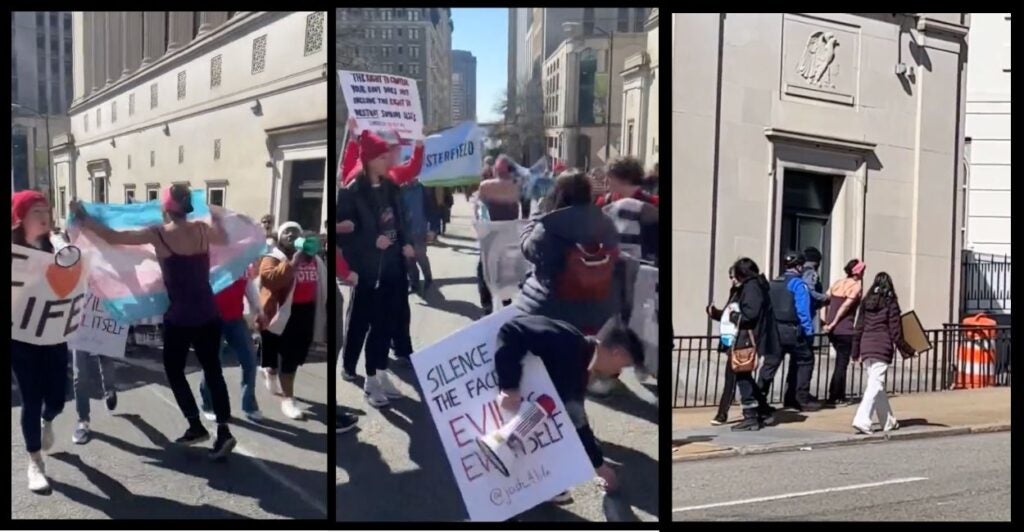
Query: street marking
x=304 y=495
x=798 y=494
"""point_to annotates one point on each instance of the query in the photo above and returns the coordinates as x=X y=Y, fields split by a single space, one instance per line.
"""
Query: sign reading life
x=46 y=302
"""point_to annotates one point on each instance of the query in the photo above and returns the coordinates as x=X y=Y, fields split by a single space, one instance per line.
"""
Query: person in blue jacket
x=791 y=305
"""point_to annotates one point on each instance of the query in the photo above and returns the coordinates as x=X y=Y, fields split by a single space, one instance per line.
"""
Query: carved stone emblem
x=818 y=64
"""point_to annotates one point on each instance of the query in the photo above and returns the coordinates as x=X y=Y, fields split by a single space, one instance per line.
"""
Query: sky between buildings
x=484 y=33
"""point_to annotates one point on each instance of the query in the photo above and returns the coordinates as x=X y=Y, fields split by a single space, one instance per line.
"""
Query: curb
x=754 y=450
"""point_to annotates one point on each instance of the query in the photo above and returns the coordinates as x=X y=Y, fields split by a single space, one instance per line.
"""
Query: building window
x=216 y=149
x=414 y=52
x=371 y=33
x=622 y=21
x=629 y=139
x=215 y=63
x=129 y=194
x=401 y=68
x=181 y=154
x=99 y=117
x=62 y=197
x=385 y=14
x=414 y=69
x=85 y=118
x=152 y=96
x=386 y=33
x=639 y=18
x=588 y=21
x=152 y=191
x=259 y=54
x=181 y=85
x=414 y=33
x=399 y=33
x=129 y=162
x=314 y=33
x=131 y=104
x=113 y=112
x=152 y=158
x=216 y=193
x=400 y=49
x=385 y=51
x=99 y=190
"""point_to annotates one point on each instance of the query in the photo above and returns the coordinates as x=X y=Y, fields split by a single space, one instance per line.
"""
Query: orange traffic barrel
x=976 y=353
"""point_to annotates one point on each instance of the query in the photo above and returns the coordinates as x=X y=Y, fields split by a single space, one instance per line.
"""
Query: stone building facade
x=842 y=131
x=231 y=102
x=640 y=99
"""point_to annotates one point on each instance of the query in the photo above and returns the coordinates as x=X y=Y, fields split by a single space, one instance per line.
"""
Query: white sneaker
x=373 y=392
x=37 y=476
x=387 y=386
x=209 y=415
x=289 y=409
x=255 y=416
x=272 y=382
x=47 y=439
x=862 y=428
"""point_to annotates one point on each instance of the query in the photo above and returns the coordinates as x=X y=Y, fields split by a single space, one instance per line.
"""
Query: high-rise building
x=41 y=91
x=233 y=103
x=463 y=86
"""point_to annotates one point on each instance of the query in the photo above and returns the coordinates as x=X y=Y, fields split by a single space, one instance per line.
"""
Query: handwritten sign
x=460 y=386
x=99 y=333
x=46 y=302
x=382 y=102
x=504 y=266
x=644 y=318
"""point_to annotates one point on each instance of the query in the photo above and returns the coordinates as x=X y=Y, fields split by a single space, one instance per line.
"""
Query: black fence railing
x=960 y=357
x=984 y=283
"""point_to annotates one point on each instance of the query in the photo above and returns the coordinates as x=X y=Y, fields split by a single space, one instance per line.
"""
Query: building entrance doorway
x=306 y=193
x=807 y=202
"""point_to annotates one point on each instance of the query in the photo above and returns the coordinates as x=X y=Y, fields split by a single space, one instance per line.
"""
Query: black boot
x=224 y=443
x=749 y=423
x=196 y=433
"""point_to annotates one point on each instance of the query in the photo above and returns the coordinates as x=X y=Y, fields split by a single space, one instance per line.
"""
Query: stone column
x=210 y=20
x=179 y=32
x=152 y=36
x=88 y=49
x=99 y=50
x=114 y=54
x=131 y=41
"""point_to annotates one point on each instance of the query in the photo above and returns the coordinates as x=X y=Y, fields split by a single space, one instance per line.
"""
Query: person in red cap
x=376 y=249
x=352 y=160
x=40 y=370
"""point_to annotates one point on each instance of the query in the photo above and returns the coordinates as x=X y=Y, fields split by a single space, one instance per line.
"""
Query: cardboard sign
x=382 y=102
x=460 y=387
x=99 y=333
x=913 y=332
x=504 y=265
x=46 y=297
x=451 y=158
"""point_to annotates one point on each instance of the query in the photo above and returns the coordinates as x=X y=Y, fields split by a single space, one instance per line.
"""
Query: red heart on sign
x=63 y=280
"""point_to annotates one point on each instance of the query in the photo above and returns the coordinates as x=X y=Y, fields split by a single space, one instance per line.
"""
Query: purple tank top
x=187 y=278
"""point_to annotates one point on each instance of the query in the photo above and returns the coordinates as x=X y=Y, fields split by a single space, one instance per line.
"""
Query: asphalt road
x=959 y=478
x=132 y=470
x=393 y=468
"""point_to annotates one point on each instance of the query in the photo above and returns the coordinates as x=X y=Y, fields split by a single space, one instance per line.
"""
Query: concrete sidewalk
x=920 y=415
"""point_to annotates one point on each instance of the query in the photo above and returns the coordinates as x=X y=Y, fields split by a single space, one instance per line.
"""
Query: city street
x=393 y=468
x=132 y=470
x=958 y=478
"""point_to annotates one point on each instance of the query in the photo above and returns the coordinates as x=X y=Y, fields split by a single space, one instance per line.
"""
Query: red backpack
x=588 y=273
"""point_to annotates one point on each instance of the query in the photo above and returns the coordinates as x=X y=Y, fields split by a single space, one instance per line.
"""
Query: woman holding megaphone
x=293 y=297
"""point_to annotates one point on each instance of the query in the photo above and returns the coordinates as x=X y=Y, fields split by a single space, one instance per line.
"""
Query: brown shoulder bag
x=744 y=360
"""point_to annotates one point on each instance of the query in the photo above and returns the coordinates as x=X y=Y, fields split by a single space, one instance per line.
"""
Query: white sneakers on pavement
x=255 y=416
x=37 y=476
x=387 y=386
x=374 y=392
x=273 y=384
x=290 y=409
x=47 y=439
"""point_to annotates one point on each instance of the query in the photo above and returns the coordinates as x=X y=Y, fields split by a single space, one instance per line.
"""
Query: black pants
x=288 y=350
x=752 y=400
x=42 y=375
x=380 y=318
x=524 y=205
x=205 y=339
x=837 y=386
x=801 y=366
x=728 y=391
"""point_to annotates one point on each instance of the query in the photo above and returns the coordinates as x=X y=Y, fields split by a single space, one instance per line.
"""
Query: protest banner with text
x=46 y=298
x=460 y=386
x=382 y=102
x=99 y=333
x=452 y=157
x=501 y=254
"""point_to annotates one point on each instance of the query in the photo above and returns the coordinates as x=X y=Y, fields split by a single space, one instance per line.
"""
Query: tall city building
x=41 y=91
x=410 y=42
x=463 y=86
x=233 y=103
x=640 y=99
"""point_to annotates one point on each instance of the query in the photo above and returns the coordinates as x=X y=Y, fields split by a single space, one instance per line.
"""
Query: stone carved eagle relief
x=818 y=64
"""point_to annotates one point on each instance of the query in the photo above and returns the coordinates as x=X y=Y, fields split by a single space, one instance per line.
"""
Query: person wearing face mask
x=40 y=370
x=376 y=248
x=293 y=299
x=192 y=319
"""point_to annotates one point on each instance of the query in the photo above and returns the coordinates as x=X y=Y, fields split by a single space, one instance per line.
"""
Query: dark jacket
x=356 y=203
x=545 y=241
x=756 y=315
x=878 y=330
x=419 y=210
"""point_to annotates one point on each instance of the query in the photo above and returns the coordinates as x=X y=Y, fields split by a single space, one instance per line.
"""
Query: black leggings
x=844 y=345
x=288 y=350
x=205 y=339
x=381 y=317
x=728 y=391
x=42 y=375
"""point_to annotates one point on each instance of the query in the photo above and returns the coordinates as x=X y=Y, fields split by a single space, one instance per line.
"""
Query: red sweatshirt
x=401 y=174
x=229 y=300
x=640 y=194
x=341 y=265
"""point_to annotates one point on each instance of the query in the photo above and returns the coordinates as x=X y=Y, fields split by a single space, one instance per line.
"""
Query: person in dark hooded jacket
x=754 y=320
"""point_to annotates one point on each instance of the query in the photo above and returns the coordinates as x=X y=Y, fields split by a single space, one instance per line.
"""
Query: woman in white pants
x=878 y=335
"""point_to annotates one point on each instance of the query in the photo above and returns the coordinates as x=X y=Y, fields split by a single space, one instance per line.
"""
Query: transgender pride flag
x=127 y=279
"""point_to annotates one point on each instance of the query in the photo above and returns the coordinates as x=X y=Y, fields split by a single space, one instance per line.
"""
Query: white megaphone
x=498 y=446
x=65 y=253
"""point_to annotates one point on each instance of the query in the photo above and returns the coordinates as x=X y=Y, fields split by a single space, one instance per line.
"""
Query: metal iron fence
x=699 y=367
x=984 y=283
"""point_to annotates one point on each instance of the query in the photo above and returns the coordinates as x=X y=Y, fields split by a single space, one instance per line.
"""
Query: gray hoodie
x=545 y=242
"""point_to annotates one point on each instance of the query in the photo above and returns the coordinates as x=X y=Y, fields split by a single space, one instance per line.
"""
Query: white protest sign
x=644 y=318
x=452 y=157
x=99 y=333
x=504 y=265
x=46 y=297
x=382 y=102
x=460 y=386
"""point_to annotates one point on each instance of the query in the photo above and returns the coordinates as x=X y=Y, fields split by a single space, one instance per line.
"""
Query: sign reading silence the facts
x=460 y=386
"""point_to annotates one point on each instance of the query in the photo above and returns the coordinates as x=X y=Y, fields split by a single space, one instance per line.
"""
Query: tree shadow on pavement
x=239 y=475
x=316 y=413
x=625 y=401
x=289 y=434
x=638 y=477
x=117 y=502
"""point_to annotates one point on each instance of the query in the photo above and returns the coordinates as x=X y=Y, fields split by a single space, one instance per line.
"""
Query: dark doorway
x=306 y=193
x=583 y=152
x=807 y=201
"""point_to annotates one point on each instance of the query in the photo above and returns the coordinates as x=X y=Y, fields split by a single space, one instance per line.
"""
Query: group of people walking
x=774 y=318
x=286 y=293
